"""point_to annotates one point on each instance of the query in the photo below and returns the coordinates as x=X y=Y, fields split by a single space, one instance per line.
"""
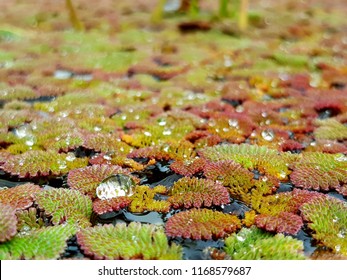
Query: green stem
x=75 y=22
x=223 y=8
x=243 y=16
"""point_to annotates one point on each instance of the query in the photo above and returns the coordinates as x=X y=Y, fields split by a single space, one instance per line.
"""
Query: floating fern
x=326 y=216
x=19 y=197
x=44 y=163
x=252 y=157
x=41 y=244
x=320 y=171
x=65 y=205
x=8 y=222
x=194 y=192
x=134 y=241
x=201 y=224
x=87 y=179
x=255 y=244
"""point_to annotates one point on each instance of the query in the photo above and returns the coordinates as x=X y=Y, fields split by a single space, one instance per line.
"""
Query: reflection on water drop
x=268 y=134
x=233 y=123
x=23 y=131
x=341 y=157
x=167 y=132
x=70 y=156
x=115 y=186
x=62 y=164
x=30 y=141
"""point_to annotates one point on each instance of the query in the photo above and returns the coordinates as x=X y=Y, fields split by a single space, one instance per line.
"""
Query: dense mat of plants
x=130 y=130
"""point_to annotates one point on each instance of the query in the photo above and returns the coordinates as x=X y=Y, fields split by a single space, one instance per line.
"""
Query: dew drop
x=30 y=141
x=233 y=123
x=115 y=186
x=167 y=132
x=147 y=133
x=62 y=164
x=268 y=134
x=337 y=248
x=240 y=238
x=70 y=157
x=97 y=128
x=161 y=122
x=341 y=157
x=23 y=131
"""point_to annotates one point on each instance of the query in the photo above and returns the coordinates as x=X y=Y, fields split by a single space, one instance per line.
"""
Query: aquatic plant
x=65 y=206
x=87 y=179
x=8 y=222
x=330 y=129
x=201 y=224
x=106 y=142
x=326 y=216
x=41 y=163
x=188 y=167
x=194 y=192
x=240 y=181
x=255 y=244
x=102 y=206
x=319 y=171
x=282 y=223
x=29 y=219
x=133 y=241
x=252 y=157
x=19 y=197
x=40 y=244
x=144 y=199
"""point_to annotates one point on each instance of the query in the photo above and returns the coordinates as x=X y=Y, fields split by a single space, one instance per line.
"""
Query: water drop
x=341 y=157
x=167 y=132
x=337 y=248
x=97 y=128
x=147 y=133
x=115 y=186
x=30 y=141
x=161 y=122
x=107 y=156
x=268 y=134
x=341 y=234
x=62 y=164
x=70 y=157
x=23 y=131
x=240 y=238
x=233 y=123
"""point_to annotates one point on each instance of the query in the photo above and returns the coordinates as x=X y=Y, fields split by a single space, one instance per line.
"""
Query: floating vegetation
x=201 y=224
x=220 y=122
x=255 y=244
x=134 y=241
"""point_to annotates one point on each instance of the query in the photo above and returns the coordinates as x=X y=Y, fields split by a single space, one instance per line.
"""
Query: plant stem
x=243 y=16
x=75 y=22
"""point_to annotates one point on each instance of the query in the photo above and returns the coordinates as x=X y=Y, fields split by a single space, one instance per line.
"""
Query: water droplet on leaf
x=268 y=134
x=115 y=186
